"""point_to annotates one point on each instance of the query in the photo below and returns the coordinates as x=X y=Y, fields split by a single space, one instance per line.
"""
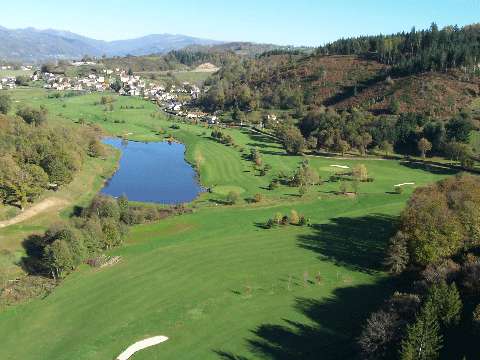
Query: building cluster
x=173 y=98
x=8 y=82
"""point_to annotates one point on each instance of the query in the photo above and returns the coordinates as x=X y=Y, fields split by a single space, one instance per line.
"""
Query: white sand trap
x=410 y=183
x=140 y=345
x=341 y=166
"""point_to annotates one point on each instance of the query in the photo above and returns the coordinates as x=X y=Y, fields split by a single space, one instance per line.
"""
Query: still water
x=152 y=172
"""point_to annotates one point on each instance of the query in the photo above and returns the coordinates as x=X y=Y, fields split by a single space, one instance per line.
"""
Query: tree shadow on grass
x=225 y=355
x=259 y=137
x=355 y=243
x=331 y=325
x=330 y=332
x=430 y=166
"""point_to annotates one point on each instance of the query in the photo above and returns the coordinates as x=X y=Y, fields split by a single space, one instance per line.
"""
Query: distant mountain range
x=33 y=45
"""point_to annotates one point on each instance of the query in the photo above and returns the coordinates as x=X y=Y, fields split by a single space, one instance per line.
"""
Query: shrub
x=269 y=224
x=273 y=185
x=233 y=197
x=446 y=270
x=294 y=218
x=360 y=172
x=303 y=221
x=5 y=103
x=278 y=218
x=33 y=116
x=258 y=198
x=95 y=148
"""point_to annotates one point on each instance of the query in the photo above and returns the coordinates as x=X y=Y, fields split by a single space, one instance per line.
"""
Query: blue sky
x=297 y=22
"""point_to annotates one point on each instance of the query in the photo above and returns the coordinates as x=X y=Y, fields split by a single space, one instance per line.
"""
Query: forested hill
x=417 y=51
x=194 y=55
x=433 y=72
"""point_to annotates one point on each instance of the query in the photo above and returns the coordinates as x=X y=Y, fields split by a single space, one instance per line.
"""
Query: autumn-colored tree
x=360 y=172
x=386 y=147
x=424 y=146
x=343 y=146
x=362 y=141
x=294 y=218
x=442 y=218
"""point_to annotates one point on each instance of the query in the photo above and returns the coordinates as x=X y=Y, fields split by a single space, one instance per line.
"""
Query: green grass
x=4 y=73
x=193 y=77
x=214 y=281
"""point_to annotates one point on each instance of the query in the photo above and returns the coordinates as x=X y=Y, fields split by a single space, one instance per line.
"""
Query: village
x=175 y=99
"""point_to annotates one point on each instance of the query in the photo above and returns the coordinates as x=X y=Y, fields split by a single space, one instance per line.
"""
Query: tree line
x=417 y=51
x=408 y=133
x=35 y=156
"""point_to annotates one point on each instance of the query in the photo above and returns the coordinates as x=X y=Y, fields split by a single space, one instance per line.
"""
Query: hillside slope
x=345 y=82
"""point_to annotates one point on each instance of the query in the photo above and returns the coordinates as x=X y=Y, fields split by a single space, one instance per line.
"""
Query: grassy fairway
x=215 y=282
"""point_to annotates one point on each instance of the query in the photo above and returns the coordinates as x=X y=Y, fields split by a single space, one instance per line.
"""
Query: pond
x=152 y=172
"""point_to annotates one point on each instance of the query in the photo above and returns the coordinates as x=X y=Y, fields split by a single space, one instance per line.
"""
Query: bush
x=269 y=224
x=258 y=198
x=273 y=185
x=5 y=104
x=303 y=221
x=278 y=218
x=360 y=172
x=233 y=197
x=294 y=218
x=33 y=116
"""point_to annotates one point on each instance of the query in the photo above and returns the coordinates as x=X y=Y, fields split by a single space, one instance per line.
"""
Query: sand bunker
x=340 y=166
x=140 y=345
x=409 y=183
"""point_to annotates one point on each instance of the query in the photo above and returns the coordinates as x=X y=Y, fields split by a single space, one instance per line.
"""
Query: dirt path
x=47 y=204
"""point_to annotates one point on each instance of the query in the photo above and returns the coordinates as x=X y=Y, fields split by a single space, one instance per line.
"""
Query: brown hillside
x=440 y=94
x=350 y=81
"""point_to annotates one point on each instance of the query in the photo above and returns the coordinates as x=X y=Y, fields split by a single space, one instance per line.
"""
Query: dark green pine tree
x=423 y=340
x=447 y=303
